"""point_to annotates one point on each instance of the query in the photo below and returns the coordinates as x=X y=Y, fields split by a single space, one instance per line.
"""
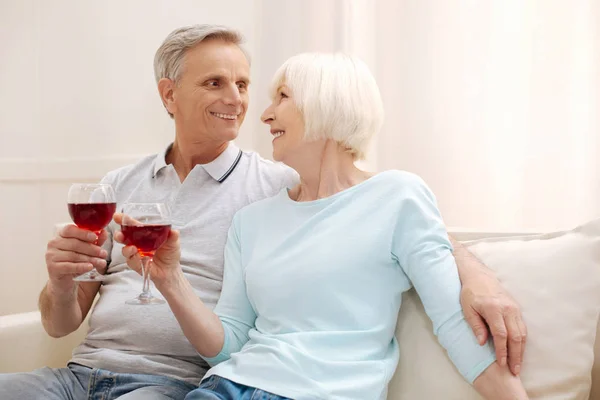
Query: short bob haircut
x=337 y=96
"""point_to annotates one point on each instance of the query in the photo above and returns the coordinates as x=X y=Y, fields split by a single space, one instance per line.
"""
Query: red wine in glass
x=91 y=207
x=147 y=227
x=147 y=238
x=92 y=216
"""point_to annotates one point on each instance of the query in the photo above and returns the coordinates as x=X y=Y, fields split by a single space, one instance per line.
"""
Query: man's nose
x=233 y=96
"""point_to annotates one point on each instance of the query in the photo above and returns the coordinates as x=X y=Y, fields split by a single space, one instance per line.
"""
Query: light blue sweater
x=312 y=290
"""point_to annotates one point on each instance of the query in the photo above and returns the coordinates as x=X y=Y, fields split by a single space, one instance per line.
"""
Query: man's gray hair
x=168 y=61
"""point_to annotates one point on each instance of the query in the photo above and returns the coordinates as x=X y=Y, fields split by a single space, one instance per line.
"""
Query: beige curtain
x=494 y=103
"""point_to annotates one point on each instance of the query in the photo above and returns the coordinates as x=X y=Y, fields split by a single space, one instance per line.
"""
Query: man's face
x=211 y=98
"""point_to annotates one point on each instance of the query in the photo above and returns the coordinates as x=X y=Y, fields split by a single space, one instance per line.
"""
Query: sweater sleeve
x=233 y=308
x=423 y=250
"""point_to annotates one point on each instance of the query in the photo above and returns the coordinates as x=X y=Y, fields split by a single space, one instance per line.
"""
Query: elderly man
x=132 y=352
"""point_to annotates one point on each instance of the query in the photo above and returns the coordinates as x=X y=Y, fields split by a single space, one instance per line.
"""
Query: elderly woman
x=314 y=276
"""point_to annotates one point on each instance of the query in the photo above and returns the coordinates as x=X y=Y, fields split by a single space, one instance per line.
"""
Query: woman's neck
x=326 y=169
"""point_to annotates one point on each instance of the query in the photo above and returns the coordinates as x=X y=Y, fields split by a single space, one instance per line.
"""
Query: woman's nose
x=267 y=116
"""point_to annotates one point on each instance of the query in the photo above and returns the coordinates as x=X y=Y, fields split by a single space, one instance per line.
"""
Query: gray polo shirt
x=147 y=339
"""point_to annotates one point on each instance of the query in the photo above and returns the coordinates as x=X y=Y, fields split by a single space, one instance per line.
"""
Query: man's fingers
x=523 y=329
x=78 y=246
x=72 y=268
x=500 y=335
x=102 y=238
x=516 y=343
x=477 y=325
x=73 y=232
x=73 y=257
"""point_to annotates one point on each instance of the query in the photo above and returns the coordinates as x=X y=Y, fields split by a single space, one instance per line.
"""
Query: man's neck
x=185 y=156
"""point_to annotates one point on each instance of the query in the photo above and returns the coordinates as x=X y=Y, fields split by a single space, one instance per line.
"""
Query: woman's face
x=287 y=125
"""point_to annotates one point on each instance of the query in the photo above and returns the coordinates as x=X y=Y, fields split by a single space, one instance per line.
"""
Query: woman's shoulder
x=260 y=207
x=404 y=181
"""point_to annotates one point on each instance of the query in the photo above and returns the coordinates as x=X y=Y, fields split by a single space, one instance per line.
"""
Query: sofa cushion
x=556 y=279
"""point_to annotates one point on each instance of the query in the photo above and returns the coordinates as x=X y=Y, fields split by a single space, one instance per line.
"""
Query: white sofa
x=424 y=372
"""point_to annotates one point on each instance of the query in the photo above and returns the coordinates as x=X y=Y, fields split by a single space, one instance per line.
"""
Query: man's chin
x=229 y=135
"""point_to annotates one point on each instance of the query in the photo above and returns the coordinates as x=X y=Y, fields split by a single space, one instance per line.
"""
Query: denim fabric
x=217 y=388
x=78 y=382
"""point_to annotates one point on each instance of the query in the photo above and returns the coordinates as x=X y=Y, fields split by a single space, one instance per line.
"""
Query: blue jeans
x=78 y=382
x=217 y=388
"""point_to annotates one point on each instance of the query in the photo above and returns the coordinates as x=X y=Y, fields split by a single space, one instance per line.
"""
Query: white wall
x=495 y=104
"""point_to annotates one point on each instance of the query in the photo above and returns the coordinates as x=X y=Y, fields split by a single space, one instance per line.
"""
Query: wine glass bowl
x=92 y=216
x=91 y=207
x=145 y=226
x=147 y=238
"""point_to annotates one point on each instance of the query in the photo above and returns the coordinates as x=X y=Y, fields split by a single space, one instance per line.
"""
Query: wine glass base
x=144 y=301
x=90 y=276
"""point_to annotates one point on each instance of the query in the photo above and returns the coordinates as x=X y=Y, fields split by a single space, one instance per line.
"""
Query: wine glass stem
x=146 y=274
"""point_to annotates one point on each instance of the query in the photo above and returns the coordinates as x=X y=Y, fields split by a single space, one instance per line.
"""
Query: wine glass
x=145 y=226
x=91 y=206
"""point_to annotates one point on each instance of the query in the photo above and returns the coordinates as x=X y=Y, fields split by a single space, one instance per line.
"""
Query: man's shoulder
x=265 y=165
x=276 y=174
x=117 y=175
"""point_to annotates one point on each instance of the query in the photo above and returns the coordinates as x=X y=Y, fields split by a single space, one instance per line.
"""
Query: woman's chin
x=277 y=156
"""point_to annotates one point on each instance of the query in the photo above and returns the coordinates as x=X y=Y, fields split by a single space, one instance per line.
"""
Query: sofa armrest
x=25 y=345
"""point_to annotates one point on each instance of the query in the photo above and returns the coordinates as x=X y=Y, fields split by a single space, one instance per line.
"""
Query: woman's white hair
x=169 y=58
x=337 y=96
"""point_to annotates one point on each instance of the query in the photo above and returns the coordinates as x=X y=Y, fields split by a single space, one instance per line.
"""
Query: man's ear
x=165 y=89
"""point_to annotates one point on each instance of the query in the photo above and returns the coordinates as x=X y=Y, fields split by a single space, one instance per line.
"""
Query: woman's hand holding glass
x=160 y=265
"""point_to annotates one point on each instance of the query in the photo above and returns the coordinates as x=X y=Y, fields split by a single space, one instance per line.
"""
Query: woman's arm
x=199 y=324
x=423 y=250
x=215 y=335
x=487 y=304
x=498 y=383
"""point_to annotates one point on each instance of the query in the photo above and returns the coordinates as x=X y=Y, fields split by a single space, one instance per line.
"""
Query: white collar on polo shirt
x=219 y=168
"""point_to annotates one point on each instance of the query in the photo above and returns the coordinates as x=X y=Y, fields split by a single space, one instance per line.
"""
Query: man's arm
x=487 y=304
x=63 y=303
x=63 y=311
x=498 y=383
